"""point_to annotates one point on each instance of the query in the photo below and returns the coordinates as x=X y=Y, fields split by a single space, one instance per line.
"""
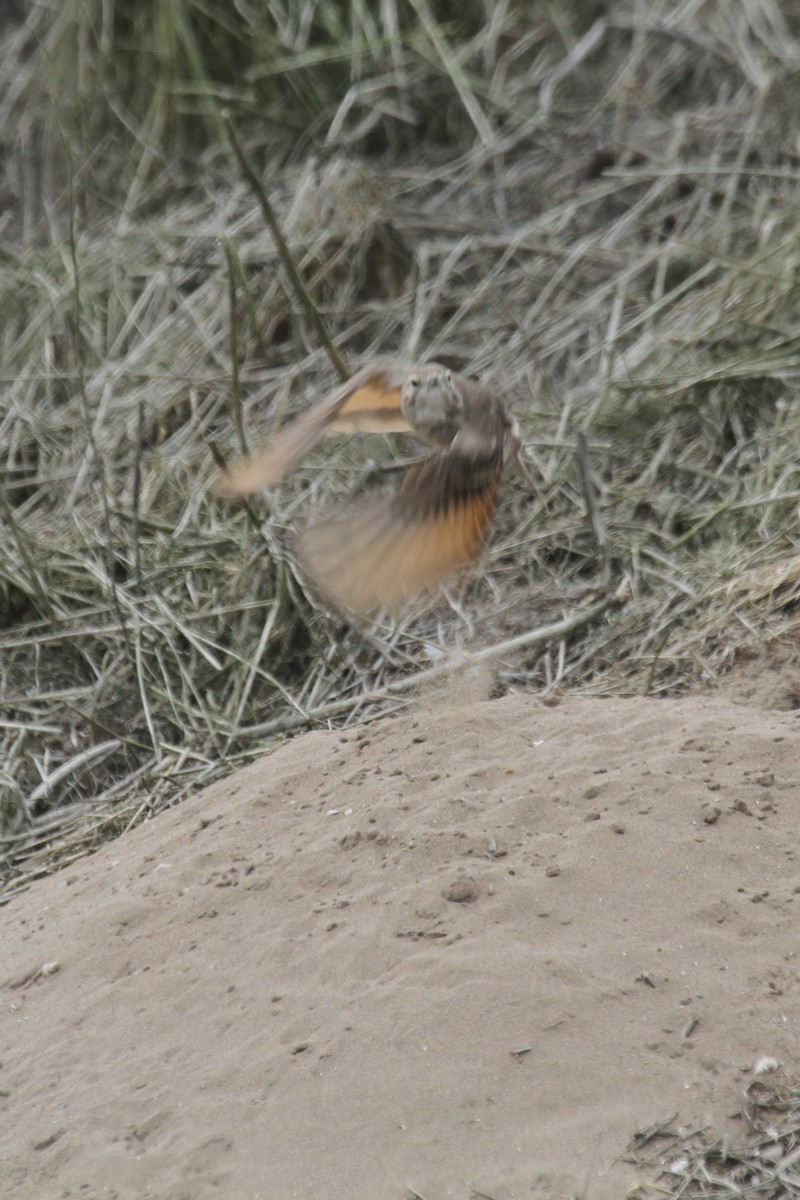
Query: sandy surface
x=470 y=947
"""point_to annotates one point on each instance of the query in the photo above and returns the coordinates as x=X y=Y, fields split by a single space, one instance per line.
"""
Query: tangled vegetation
x=696 y=1165
x=596 y=208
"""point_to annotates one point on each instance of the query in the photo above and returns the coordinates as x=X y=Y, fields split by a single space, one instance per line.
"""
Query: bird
x=382 y=552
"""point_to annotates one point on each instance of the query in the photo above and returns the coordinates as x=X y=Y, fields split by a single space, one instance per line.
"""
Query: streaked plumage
x=384 y=550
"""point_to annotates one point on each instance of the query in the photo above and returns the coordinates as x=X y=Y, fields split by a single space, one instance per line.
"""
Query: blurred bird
x=384 y=550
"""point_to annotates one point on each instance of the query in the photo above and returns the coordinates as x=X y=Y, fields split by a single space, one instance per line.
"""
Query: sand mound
x=466 y=948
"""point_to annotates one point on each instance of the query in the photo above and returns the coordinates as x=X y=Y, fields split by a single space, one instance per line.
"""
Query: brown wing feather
x=373 y=408
x=368 y=401
x=382 y=552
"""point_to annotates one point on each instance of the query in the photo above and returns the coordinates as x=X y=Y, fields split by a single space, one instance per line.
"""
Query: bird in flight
x=382 y=551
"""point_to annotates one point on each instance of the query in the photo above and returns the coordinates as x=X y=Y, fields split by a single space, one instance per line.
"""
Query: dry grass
x=697 y=1166
x=597 y=213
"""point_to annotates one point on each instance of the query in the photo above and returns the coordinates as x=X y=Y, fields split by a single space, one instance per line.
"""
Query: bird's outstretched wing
x=369 y=401
x=379 y=553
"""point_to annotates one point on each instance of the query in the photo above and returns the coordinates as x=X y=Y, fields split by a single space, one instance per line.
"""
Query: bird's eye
x=448 y=376
x=413 y=381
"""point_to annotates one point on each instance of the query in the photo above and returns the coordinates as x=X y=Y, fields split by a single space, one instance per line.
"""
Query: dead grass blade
x=600 y=218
